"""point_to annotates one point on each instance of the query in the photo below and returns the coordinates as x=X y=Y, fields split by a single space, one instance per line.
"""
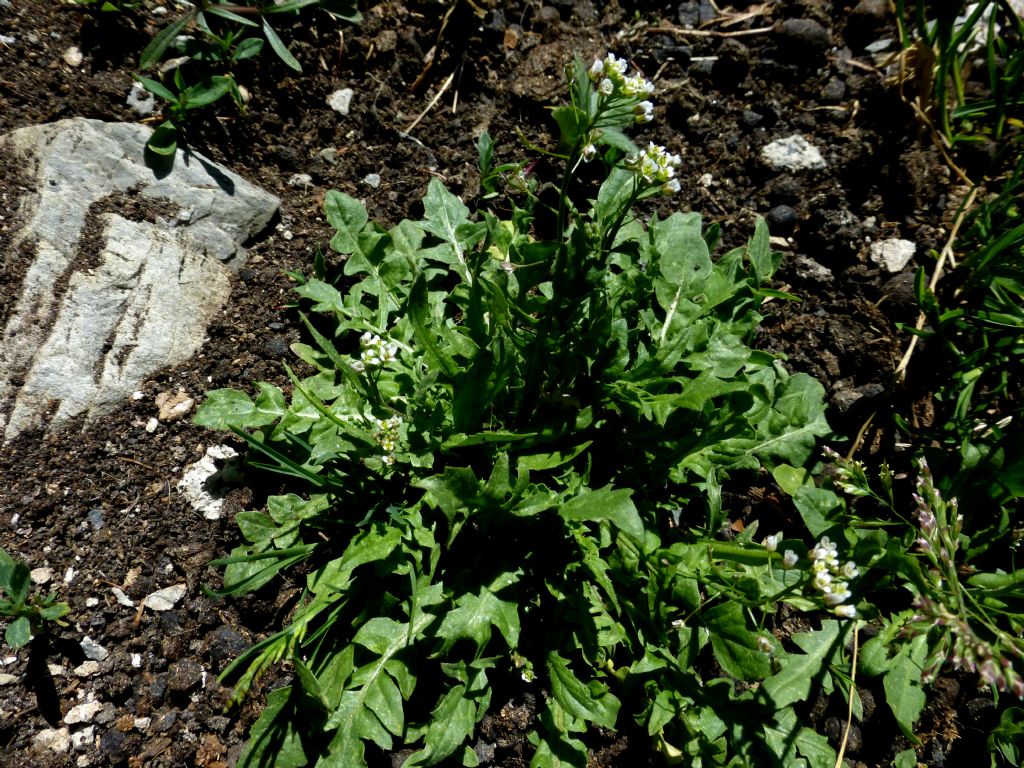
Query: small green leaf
x=819 y=508
x=798 y=671
x=164 y=140
x=207 y=92
x=157 y=88
x=605 y=503
x=592 y=703
x=902 y=684
x=759 y=251
x=791 y=479
x=154 y=51
x=735 y=646
x=19 y=632
x=275 y=738
x=451 y=723
x=473 y=617
x=224 y=409
x=279 y=47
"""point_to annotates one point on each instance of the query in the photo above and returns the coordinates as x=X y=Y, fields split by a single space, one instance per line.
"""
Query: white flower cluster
x=610 y=75
x=831 y=578
x=376 y=352
x=656 y=165
x=387 y=436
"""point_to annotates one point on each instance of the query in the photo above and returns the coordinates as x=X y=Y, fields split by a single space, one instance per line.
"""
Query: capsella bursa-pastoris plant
x=513 y=446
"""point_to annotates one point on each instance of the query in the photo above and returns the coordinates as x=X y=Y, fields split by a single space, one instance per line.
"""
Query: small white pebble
x=136 y=660
x=340 y=101
x=91 y=602
x=73 y=56
x=87 y=668
x=41 y=575
x=152 y=425
x=69 y=574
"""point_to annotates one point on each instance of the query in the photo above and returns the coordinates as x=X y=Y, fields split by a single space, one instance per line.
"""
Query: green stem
x=533 y=374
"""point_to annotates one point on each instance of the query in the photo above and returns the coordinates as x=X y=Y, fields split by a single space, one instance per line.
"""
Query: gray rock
x=782 y=220
x=93 y=650
x=692 y=13
x=799 y=37
x=185 y=675
x=866 y=22
x=106 y=301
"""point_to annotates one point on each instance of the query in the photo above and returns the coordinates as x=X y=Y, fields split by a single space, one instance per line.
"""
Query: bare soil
x=97 y=503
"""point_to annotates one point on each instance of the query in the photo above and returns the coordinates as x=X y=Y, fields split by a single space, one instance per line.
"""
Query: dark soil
x=97 y=503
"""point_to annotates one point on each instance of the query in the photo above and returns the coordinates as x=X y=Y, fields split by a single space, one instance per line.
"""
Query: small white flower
x=836 y=599
x=850 y=570
x=596 y=70
x=789 y=559
x=764 y=644
x=607 y=87
x=614 y=66
x=643 y=112
x=670 y=187
x=588 y=153
x=771 y=543
x=845 y=611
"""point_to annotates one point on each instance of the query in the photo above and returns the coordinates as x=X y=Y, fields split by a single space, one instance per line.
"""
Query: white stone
x=6 y=679
x=152 y=425
x=73 y=56
x=141 y=101
x=372 y=180
x=87 y=668
x=173 y=407
x=793 y=153
x=300 y=180
x=83 y=739
x=122 y=598
x=893 y=254
x=341 y=100
x=142 y=723
x=92 y=602
x=69 y=575
x=808 y=268
x=204 y=483
x=87 y=328
x=93 y=650
x=52 y=740
x=41 y=575
x=136 y=659
x=83 y=713
x=165 y=599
